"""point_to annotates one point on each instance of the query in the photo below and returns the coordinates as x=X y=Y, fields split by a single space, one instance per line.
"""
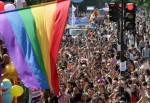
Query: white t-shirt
x=131 y=40
x=19 y=3
x=123 y=66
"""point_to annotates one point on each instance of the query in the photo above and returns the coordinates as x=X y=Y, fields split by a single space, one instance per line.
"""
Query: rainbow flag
x=32 y=36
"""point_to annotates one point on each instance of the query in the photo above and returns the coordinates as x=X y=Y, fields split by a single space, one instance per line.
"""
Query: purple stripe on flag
x=16 y=55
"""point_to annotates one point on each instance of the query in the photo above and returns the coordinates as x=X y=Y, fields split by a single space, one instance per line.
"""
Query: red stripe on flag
x=59 y=25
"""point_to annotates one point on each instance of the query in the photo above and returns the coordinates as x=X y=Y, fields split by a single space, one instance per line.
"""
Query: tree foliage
x=142 y=3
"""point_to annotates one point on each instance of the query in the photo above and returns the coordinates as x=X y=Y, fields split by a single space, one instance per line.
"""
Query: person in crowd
x=146 y=52
x=93 y=17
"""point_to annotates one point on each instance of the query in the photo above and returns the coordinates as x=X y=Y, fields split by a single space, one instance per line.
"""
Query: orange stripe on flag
x=49 y=16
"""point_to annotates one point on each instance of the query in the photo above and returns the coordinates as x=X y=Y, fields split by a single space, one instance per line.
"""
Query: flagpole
x=73 y=16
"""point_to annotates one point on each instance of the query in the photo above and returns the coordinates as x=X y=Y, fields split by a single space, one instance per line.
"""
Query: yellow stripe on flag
x=50 y=11
x=39 y=14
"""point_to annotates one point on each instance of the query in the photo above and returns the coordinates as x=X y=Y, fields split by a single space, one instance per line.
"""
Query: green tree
x=145 y=4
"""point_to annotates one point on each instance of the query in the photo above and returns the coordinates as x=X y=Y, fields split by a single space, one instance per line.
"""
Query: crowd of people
x=89 y=66
x=90 y=70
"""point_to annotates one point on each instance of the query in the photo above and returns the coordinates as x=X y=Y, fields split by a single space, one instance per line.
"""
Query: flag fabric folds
x=33 y=36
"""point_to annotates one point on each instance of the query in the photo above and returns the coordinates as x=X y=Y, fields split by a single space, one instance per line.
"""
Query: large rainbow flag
x=32 y=36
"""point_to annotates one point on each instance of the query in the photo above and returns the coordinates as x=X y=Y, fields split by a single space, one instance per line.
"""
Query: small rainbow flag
x=32 y=36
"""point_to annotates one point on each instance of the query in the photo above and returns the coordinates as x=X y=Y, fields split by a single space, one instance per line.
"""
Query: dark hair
x=99 y=98
x=112 y=55
x=1 y=42
x=109 y=80
x=144 y=83
x=117 y=67
x=116 y=79
x=91 y=85
x=135 y=74
x=147 y=72
x=120 y=89
x=129 y=81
